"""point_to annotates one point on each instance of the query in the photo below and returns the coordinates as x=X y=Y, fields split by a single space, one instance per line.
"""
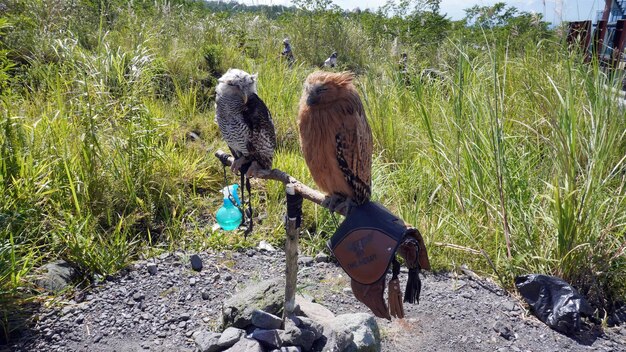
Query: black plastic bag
x=554 y=301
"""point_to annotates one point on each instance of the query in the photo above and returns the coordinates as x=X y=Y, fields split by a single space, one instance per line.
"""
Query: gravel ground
x=140 y=311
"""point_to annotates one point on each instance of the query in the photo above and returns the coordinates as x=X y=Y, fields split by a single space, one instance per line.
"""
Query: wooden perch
x=292 y=186
x=279 y=175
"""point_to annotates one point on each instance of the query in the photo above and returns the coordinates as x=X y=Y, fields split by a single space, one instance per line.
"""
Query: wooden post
x=293 y=187
x=291 y=262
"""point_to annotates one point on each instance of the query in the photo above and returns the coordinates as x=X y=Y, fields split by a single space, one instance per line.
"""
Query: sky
x=554 y=11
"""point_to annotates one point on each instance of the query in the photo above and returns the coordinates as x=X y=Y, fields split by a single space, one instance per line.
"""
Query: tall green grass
x=513 y=163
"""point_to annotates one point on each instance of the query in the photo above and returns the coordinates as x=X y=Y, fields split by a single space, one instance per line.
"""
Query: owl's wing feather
x=262 y=141
x=354 y=153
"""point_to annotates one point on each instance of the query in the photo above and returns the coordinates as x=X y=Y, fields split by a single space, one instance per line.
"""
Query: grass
x=514 y=163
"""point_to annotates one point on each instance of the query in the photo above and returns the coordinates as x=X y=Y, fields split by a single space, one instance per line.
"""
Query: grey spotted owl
x=244 y=120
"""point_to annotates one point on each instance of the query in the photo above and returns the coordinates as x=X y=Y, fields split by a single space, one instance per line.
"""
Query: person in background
x=287 y=53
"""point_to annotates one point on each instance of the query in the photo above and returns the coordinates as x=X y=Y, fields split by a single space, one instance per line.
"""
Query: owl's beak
x=313 y=98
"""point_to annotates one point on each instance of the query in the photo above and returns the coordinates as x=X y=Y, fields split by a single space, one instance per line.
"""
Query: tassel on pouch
x=394 y=296
x=413 y=286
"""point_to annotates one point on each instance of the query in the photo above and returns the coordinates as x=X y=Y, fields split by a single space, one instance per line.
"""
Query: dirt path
x=137 y=311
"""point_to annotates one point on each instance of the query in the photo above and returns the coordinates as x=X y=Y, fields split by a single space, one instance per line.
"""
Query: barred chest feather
x=230 y=120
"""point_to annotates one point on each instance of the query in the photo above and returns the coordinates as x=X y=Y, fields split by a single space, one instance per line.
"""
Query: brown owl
x=335 y=137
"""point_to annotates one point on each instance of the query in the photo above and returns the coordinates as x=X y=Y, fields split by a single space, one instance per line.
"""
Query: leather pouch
x=365 y=245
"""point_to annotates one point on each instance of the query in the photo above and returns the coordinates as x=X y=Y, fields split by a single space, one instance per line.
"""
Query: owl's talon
x=237 y=164
x=253 y=170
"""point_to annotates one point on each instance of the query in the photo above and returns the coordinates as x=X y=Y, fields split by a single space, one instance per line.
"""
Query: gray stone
x=311 y=325
x=246 y=345
x=205 y=295
x=265 y=246
x=196 y=262
x=230 y=336
x=503 y=330
x=299 y=337
x=508 y=306
x=265 y=320
x=152 y=269
x=55 y=276
x=269 y=338
x=267 y=296
x=315 y=311
x=364 y=329
x=322 y=257
x=139 y=296
x=291 y=349
x=337 y=338
x=207 y=341
x=306 y=261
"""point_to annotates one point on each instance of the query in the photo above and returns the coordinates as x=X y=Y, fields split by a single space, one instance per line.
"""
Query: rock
x=196 y=262
x=207 y=341
x=364 y=329
x=230 y=336
x=152 y=269
x=265 y=246
x=228 y=277
x=311 y=325
x=139 y=296
x=205 y=295
x=192 y=282
x=618 y=317
x=306 y=261
x=337 y=339
x=56 y=276
x=322 y=257
x=299 y=337
x=289 y=349
x=508 y=306
x=315 y=311
x=265 y=320
x=184 y=317
x=267 y=296
x=503 y=330
x=269 y=338
x=246 y=345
